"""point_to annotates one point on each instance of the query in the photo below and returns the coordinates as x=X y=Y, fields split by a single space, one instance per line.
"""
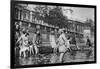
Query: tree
x=41 y=11
x=56 y=17
x=52 y=16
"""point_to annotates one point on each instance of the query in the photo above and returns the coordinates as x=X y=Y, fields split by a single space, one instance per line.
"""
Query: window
x=16 y=13
x=26 y=15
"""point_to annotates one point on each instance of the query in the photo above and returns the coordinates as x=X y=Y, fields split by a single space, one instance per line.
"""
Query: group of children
x=61 y=43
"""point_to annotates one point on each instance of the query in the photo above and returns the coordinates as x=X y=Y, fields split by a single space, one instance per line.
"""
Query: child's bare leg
x=61 y=57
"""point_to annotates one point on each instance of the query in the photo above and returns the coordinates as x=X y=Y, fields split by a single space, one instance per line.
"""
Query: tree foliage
x=51 y=16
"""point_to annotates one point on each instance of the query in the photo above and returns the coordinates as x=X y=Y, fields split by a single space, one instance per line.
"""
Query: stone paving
x=52 y=58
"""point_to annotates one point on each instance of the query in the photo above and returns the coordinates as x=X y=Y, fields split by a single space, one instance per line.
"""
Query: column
x=18 y=14
x=22 y=14
x=30 y=16
x=29 y=25
x=45 y=28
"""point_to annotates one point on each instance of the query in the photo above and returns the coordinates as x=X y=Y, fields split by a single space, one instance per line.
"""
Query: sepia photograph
x=44 y=34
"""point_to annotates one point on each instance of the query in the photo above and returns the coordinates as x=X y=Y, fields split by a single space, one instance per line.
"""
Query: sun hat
x=60 y=31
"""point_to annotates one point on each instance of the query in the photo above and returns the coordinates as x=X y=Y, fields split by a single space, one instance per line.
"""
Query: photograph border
x=12 y=3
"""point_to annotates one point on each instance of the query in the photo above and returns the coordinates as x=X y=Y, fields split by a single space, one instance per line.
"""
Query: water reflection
x=51 y=58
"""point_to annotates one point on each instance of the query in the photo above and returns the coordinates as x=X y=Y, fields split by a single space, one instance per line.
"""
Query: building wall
x=27 y=17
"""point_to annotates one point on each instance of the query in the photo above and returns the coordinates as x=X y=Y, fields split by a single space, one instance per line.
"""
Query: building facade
x=27 y=19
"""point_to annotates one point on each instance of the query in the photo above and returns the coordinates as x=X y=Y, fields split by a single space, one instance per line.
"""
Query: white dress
x=62 y=43
x=34 y=38
x=25 y=40
x=53 y=41
x=68 y=43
